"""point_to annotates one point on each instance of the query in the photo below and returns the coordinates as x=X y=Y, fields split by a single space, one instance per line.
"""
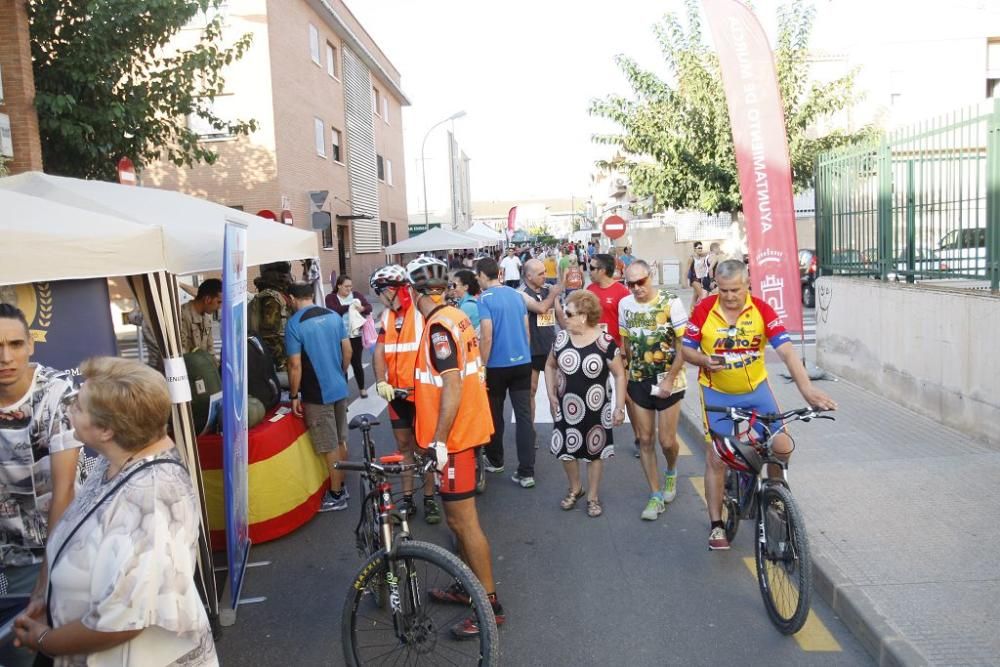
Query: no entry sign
x=126 y=172
x=614 y=227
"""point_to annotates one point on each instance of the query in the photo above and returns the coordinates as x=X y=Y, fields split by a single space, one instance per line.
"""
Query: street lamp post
x=423 y=162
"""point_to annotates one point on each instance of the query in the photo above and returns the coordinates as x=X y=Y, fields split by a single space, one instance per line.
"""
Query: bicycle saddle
x=362 y=421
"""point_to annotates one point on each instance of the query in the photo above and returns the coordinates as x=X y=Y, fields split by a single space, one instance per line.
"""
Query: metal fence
x=922 y=203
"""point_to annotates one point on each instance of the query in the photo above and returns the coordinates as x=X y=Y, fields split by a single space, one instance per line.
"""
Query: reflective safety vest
x=473 y=424
x=401 y=347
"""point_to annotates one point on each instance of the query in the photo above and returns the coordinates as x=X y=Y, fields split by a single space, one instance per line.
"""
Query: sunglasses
x=730 y=342
x=594 y=267
x=71 y=401
x=641 y=282
x=452 y=286
x=572 y=313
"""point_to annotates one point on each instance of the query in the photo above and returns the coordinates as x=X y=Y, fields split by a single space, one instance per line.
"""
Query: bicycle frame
x=757 y=451
x=378 y=493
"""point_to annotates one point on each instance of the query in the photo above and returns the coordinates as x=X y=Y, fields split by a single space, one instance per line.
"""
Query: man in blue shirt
x=319 y=353
x=503 y=331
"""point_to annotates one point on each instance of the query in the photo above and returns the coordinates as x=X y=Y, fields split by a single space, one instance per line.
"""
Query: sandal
x=594 y=508
x=569 y=502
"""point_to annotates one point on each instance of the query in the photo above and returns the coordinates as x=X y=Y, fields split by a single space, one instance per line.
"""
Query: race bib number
x=548 y=318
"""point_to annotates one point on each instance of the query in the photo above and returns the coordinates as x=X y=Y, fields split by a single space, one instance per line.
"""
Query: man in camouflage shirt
x=196 y=318
x=270 y=310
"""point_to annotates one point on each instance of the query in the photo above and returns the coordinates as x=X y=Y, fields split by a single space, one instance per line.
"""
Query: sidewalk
x=901 y=515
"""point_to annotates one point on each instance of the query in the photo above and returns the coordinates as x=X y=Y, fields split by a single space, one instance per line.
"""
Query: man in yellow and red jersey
x=394 y=362
x=726 y=336
x=452 y=421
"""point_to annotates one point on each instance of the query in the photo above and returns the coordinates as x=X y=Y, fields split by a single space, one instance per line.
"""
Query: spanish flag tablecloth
x=286 y=479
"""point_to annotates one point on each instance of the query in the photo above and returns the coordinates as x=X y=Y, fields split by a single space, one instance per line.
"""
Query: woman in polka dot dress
x=583 y=367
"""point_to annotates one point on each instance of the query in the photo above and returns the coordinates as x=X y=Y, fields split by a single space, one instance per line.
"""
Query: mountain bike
x=781 y=548
x=388 y=616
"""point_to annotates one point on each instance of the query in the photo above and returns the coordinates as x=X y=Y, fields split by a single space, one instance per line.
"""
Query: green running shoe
x=669 y=486
x=654 y=508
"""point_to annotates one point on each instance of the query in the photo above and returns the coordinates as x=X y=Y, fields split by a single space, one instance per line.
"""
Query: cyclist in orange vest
x=452 y=420
x=394 y=361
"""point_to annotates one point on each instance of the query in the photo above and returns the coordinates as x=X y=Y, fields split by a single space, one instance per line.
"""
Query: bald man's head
x=534 y=273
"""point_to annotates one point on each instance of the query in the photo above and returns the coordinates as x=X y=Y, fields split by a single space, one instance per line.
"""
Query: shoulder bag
x=42 y=660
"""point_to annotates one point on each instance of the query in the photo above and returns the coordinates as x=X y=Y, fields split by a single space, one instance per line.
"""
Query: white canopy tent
x=480 y=230
x=44 y=240
x=436 y=239
x=192 y=228
x=64 y=228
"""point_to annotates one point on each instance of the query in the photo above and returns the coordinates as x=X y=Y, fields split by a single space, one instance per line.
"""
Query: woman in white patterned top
x=122 y=558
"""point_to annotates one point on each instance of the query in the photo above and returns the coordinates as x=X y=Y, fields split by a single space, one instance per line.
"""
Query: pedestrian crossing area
x=809 y=324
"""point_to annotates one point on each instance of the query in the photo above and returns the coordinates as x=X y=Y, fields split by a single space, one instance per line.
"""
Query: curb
x=883 y=642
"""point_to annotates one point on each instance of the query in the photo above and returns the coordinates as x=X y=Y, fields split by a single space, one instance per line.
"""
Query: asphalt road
x=577 y=591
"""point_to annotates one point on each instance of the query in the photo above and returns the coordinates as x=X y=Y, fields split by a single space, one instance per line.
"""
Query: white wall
x=932 y=350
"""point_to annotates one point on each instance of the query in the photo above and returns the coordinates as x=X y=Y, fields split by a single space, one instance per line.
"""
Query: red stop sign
x=614 y=227
x=126 y=172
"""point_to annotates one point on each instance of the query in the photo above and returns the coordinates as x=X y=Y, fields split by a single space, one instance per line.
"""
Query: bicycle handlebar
x=804 y=414
x=420 y=465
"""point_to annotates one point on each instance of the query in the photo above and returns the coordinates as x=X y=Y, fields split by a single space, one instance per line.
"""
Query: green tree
x=675 y=142
x=108 y=85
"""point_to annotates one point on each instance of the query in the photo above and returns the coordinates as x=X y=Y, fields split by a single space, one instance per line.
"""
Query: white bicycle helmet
x=427 y=273
x=391 y=275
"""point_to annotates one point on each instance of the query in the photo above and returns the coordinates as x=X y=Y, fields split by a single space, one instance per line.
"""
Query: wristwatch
x=297 y=396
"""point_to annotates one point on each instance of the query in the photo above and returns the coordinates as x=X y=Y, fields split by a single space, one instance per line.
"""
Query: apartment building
x=20 y=147
x=329 y=140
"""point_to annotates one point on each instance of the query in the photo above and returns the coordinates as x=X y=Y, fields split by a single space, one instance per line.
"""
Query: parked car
x=923 y=260
x=963 y=251
x=848 y=256
x=807 y=274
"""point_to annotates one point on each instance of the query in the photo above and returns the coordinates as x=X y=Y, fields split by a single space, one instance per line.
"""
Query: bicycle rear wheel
x=784 y=567
x=730 y=506
x=420 y=632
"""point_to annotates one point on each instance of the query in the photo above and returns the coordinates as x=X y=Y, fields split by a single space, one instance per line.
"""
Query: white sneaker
x=669 y=487
x=334 y=504
x=525 y=482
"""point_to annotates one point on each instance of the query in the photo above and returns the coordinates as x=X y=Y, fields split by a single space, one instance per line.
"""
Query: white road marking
x=543 y=413
x=373 y=405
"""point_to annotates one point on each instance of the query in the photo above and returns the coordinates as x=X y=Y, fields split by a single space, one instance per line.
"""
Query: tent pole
x=157 y=293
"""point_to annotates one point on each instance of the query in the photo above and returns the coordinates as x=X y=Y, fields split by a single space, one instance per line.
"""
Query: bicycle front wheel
x=784 y=567
x=480 y=469
x=730 y=506
x=414 y=628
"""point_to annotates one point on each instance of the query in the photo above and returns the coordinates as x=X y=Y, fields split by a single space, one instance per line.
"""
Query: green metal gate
x=919 y=203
